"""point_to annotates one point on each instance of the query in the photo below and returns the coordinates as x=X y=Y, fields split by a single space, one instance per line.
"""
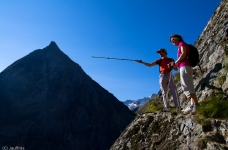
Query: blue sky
x=129 y=29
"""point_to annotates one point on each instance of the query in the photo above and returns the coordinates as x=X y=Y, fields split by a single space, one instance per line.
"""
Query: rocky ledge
x=163 y=130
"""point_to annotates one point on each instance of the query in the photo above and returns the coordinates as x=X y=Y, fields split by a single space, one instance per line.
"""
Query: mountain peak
x=52 y=50
x=53 y=45
x=63 y=102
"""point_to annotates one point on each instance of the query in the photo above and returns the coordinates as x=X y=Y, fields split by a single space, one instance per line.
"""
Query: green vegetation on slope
x=214 y=107
x=154 y=105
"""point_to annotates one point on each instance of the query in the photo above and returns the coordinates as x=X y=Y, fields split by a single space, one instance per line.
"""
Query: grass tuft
x=222 y=79
x=213 y=107
x=202 y=143
x=177 y=77
x=154 y=105
x=205 y=122
x=225 y=47
x=226 y=67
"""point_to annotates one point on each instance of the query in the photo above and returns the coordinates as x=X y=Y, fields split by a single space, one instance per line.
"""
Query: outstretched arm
x=147 y=64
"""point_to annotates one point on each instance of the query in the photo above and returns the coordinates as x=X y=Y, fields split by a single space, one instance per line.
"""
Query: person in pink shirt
x=185 y=72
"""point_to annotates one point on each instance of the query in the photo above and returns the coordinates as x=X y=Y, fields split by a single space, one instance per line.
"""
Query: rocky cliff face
x=167 y=131
x=48 y=102
x=212 y=45
x=163 y=131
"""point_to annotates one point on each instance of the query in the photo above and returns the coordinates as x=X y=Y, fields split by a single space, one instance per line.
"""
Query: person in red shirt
x=165 y=77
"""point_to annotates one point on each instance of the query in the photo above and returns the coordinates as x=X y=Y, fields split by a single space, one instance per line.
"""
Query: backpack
x=193 y=55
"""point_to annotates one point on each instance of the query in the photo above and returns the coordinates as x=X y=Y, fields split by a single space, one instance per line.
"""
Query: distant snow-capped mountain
x=134 y=104
x=128 y=102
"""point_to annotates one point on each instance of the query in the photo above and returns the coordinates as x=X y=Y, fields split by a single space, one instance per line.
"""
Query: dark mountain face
x=48 y=102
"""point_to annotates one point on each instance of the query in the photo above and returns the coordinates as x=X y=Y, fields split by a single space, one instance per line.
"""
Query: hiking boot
x=193 y=112
x=187 y=110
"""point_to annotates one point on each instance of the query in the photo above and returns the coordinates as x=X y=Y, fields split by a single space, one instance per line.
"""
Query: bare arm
x=147 y=64
x=183 y=54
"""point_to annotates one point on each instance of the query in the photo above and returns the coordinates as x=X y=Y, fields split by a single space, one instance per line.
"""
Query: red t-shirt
x=163 y=65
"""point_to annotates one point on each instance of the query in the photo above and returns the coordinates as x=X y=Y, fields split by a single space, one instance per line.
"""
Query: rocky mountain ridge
x=165 y=131
x=171 y=131
x=49 y=102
